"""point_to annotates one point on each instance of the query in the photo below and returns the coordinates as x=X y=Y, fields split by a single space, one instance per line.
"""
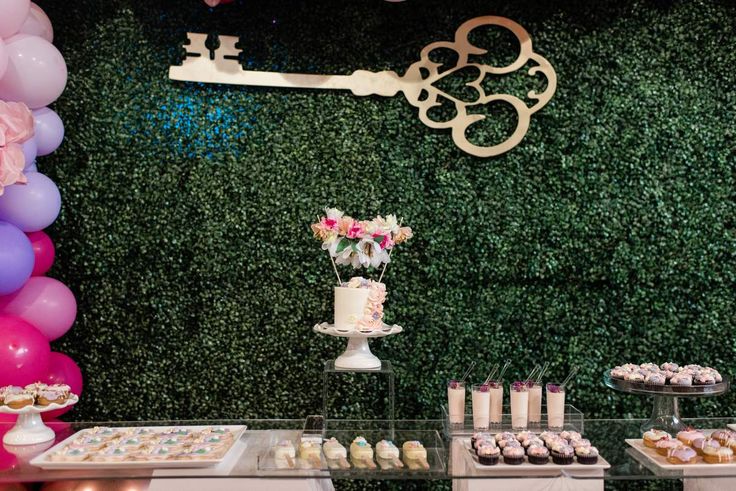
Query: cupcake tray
x=525 y=468
x=43 y=461
x=697 y=468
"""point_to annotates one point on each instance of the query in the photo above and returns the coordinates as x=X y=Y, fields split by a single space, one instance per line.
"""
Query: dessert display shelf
x=665 y=412
x=30 y=429
x=357 y=354
x=574 y=420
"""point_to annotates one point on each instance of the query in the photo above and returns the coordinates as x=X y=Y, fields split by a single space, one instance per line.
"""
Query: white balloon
x=38 y=24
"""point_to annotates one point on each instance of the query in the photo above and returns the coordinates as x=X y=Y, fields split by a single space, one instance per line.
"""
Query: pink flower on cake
x=355 y=230
x=403 y=235
x=16 y=126
x=386 y=242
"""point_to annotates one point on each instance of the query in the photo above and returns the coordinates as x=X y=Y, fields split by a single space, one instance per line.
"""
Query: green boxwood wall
x=606 y=236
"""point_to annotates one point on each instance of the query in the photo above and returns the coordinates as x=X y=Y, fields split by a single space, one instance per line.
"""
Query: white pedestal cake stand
x=665 y=411
x=29 y=429
x=358 y=354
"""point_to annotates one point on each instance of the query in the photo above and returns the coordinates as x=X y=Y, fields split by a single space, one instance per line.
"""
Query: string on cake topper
x=418 y=84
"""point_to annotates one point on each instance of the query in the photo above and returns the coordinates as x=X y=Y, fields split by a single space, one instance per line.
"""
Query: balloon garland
x=34 y=309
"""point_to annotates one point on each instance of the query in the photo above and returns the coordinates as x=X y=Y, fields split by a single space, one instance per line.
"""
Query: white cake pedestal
x=357 y=355
x=29 y=428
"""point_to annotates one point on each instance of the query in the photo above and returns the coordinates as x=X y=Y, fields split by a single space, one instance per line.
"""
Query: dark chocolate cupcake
x=513 y=455
x=563 y=455
x=537 y=455
x=488 y=455
x=587 y=455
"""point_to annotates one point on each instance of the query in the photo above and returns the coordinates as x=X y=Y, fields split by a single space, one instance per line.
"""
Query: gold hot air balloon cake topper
x=419 y=84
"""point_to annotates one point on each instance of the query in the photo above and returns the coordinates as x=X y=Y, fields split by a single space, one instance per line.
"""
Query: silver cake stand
x=665 y=413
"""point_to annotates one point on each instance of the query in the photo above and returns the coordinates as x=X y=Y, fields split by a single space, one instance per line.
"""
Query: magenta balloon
x=32 y=206
x=63 y=370
x=14 y=14
x=24 y=352
x=38 y=24
x=45 y=303
x=36 y=72
x=30 y=150
x=43 y=251
x=3 y=58
x=48 y=130
x=16 y=258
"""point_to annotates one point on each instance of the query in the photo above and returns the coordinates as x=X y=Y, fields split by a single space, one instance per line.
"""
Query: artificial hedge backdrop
x=606 y=236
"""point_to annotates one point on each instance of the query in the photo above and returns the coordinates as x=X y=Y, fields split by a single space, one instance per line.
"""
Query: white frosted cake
x=359 y=305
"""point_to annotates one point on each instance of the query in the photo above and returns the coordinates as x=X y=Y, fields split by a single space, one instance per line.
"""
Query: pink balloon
x=38 y=24
x=24 y=352
x=44 y=252
x=45 y=303
x=14 y=15
x=48 y=130
x=3 y=58
x=36 y=73
x=63 y=370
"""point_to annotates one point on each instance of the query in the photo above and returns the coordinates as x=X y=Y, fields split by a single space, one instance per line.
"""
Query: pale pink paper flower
x=16 y=126
x=12 y=163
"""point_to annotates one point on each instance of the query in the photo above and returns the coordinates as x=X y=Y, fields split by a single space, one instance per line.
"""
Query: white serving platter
x=699 y=467
x=525 y=468
x=43 y=462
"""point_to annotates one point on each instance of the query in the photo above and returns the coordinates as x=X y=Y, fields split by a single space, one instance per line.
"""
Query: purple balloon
x=36 y=72
x=30 y=150
x=49 y=130
x=31 y=167
x=32 y=206
x=16 y=258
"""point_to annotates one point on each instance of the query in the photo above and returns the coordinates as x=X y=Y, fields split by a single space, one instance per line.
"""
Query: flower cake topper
x=419 y=84
x=359 y=243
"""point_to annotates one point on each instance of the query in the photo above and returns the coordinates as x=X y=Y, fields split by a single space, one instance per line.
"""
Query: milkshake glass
x=456 y=402
x=496 y=401
x=555 y=406
x=535 y=403
x=519 y=406
x=481 y=406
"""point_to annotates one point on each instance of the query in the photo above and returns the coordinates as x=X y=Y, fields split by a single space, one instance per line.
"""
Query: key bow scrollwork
x=418 y=85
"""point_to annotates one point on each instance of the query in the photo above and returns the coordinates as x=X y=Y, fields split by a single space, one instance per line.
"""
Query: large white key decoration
x=418 y=83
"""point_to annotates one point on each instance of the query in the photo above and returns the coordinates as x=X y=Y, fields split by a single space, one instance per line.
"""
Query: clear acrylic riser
x=574 y=421
x=350 y=469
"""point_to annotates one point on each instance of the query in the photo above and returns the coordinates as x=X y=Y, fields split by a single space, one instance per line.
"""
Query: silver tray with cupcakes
x=142 y=447
x=526 y=452
x=666 y=382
